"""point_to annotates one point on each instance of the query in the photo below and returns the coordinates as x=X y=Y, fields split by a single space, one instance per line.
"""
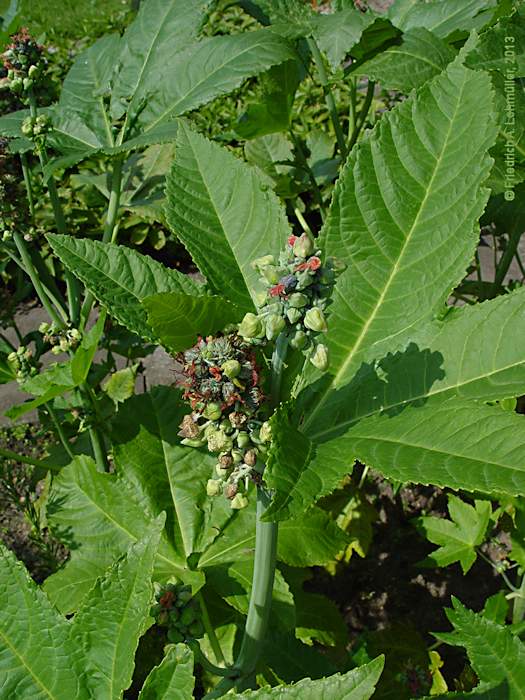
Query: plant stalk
x=329 y=97
x=506 y=259
x=214 y=642
x=518 y=607
x=8 y=454
x=362 y=114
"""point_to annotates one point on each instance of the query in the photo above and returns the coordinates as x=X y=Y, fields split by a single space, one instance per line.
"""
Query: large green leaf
x=113 y=617
x=420 y=57
x=207 y=69
x=173 y=678
x=38 y=660
x=104 y=515
x=160 y=31
x=219 y=209
x=178 y=319
x=339 y=32
x=170 y=476
x=120 y=278
x=501 y=47
x=441 y=17
x=495 y=653
x=358 y=684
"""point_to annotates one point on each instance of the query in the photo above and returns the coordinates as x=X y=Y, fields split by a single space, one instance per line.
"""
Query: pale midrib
x=24 y=663
x=342 y=370
x=421 y=58
x=220 y=555
x=426 y=395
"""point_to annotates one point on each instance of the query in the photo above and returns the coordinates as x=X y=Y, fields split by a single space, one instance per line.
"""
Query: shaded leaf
x=173 y=678
x=441 y=17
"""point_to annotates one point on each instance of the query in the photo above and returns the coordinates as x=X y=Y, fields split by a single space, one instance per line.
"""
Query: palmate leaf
x=113 y=617
x=103 y=515
x=420 y=57
x=358 y=684
x=120 y=278
x=219 y=209
x=178 y=319
x=497 y=656
x=458 y=536
x=173 y=678
x=442 y=17
x=38 y=660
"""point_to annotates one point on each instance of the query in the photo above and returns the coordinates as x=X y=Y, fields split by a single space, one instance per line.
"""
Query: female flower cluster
x=221 y=381
x=61 y=340
x=298 y=291
x=176 y=610
x=22 y=363
x=23 y=61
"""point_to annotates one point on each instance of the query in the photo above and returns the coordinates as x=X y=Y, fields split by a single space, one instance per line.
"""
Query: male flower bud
x=212 y=411
x=221 y=472
x=231 y=368
x=243 y=440
x=44 y=327
x=274 y=325
x=219 y=442
x=265 y=433
x=213 y=487
x=239 y=501
x=299 y=340
x=271 y=274
x=298 y=300
x=251 y=326
x=262 y=263
x=294 y=315
x=237 y=456
x=237 y=419
x=303 y=246
x=319 y=358
x=189 y=428
x=315 y=320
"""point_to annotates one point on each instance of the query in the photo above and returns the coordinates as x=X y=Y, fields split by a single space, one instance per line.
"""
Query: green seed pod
x=184 y=596
x=175 y=637
x=219 y=442
x=231 y=368
x=174 y=615
x=320 y=357
x=262 y=263
x=237 y=456
x=243 y=440
x=212 y=411
x=196 y=630
x=187 y=616
x=214 y=487
x=265 y=433
x=299 y=340
x=303 y=246
x=294 y=315
x=315 y=320
x=251 y=326
x=274 y=325
x=298 y=300
x=239 y=502
x=304 y=280
x=271 y=274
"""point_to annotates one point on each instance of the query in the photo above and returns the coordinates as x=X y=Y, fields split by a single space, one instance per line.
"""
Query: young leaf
x=495 y=653
x=358 y=684
x=120 y=385
x=178 y=319
x=337 y=33
x=173 y=678
x=218 y=208
x=458 y=536
x=120 y=278
x=441 y=17
x=104 y=515
x=420 y=57
x=38 y=660
x=114 y=615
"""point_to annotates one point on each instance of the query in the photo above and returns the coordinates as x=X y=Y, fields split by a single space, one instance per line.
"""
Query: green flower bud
x=274 y=325
x=294 y=315
x=218 y=441
x=315 y=320
x=265 y=433
x=212 y=411
x=271 y=274
x=75 y=334
x=12 y=357
x=231 y=368
x=262 y=263
x=319 y=358
x=298 y=300
x=222 y=472
x=187 y=616
x=27 y=126
x=184 y=596
x=304 y=280
x=33 y=70
x=213 y=487
x=239 y=502
x=299 y=340
x=243 y=440
x=196 y=629
x=44 y=327
x=27 y=83
x=303 y=246
x=175 y=636
x=64 y=344
x=174 y=615
x=237 y=456
x=56 y=350
x=336 y=265
x=260 y=298
x=251 y=326
x=189 y=442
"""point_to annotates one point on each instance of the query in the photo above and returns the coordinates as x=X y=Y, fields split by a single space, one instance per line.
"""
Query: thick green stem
x=362 y=114
x=329 y=97
x=35 y=279
x=27 y=182
x=63 y=439
x=110 y=226
x=8 y=454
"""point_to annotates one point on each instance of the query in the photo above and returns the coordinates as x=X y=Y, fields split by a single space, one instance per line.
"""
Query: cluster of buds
x=36 y=127
x=176 y=610
x=12 y=215
x=60 y=339
x=23 y=62
x=22 y=363
x=221 y=381
x=298 y=289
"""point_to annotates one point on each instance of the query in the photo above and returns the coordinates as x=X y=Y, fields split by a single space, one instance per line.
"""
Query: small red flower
x=277 y=291
x=216 y=372
x=313 y=263
x=291 y=240
x=167 y=600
